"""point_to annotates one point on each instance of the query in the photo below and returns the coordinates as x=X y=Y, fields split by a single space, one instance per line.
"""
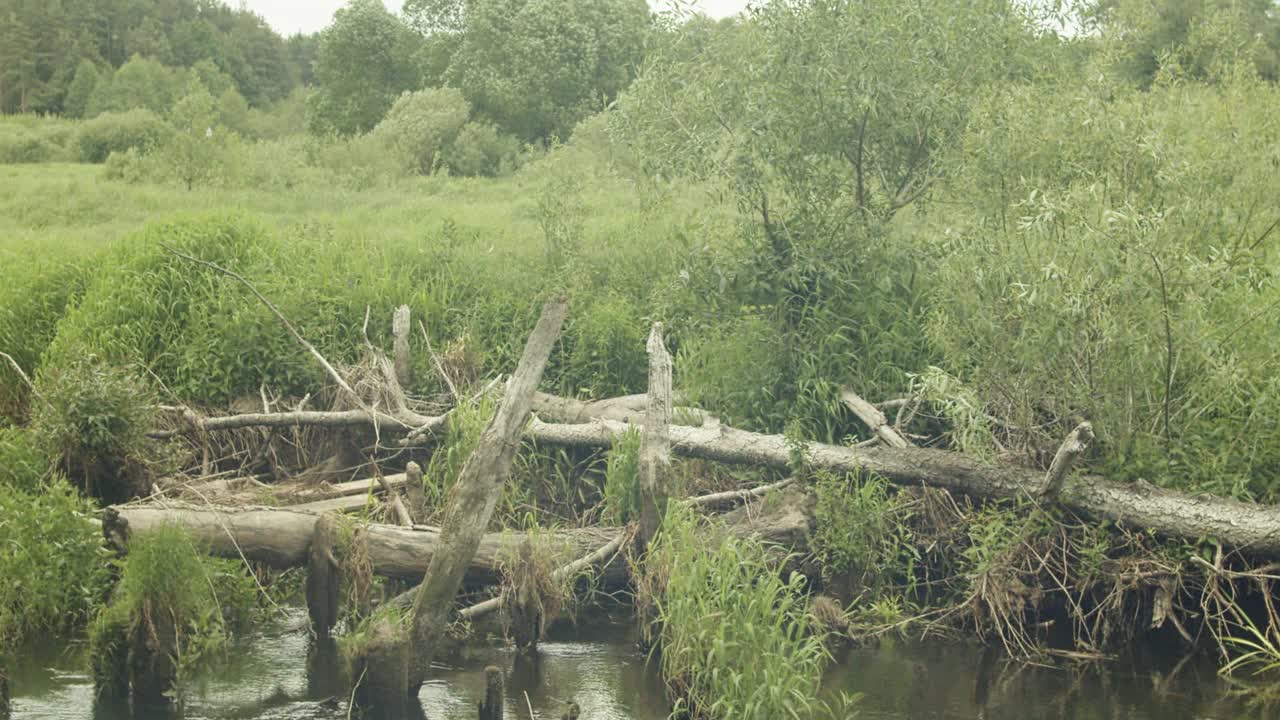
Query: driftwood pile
x=461 y=553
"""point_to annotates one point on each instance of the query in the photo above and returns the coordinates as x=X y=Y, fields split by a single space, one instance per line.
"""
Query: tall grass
x=736 y=641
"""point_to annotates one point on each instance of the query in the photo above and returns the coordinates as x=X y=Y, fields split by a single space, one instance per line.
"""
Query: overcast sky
x=308 y=16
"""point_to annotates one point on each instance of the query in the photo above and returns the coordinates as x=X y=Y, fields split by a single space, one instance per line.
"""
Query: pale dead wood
x=871 y=416
x=476 y=493
x=1071 y=450
x=732 y=497
x=400 y=347
x=655 y=443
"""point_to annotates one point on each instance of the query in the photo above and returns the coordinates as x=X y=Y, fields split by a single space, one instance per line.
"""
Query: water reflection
x=947 y=681
x=284 y=676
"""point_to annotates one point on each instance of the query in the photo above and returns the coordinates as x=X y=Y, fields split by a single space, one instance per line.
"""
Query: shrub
x=421 y=124
x=35 y=139
x=24 y=465
x=34 y=295
x=141 y=130
x=52 y=559
x=479 y=149
x=860 y=531
x=93 y=419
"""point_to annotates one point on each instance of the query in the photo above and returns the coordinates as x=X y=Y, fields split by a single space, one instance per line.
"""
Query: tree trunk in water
x=153 y=656
x=491 y=708
x=324 y=579
x=476 y=493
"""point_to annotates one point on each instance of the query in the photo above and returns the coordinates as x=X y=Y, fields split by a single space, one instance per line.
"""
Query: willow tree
x=826 y=119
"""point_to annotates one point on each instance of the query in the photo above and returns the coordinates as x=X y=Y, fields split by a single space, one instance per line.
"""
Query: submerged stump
x=324 y=578
x=153 y=653
x=491 y=708
x=109 y=660
x=380 y=671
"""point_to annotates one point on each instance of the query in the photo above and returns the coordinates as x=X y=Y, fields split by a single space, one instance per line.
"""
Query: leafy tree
x=363 y=62
x=233 y=111
x=194 y=150
x=78 y=93
x=421 y=124
x=1191 y=38
x=139 y=83
x=537 y=67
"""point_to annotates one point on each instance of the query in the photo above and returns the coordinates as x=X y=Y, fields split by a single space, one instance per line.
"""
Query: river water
x=276 y=676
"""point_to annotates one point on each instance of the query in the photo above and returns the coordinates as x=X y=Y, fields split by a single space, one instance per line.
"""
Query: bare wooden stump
x=655 y=444
x=491 y=708
x=524 y=606
x=324 y=578
x=400 y=351
x=413 y=489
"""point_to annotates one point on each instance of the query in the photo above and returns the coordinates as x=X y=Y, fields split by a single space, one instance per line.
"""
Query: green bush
x=479 y=149
x=1118 y=270
x=35 y=293
x=141 y=130
x=24 y=465
x=54 y=565
x=93 y=419
x=421 y=124
x=35 y=139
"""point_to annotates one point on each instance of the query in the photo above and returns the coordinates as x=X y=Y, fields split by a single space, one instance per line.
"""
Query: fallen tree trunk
x=1251 y=528
x=281 y=538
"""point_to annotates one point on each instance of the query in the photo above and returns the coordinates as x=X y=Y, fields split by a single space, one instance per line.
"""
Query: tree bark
x=476 y=493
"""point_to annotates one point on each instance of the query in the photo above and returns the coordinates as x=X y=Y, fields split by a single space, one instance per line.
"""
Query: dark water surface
x=276 y=676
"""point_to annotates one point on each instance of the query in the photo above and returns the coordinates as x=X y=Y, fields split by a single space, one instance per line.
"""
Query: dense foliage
x=55 y=55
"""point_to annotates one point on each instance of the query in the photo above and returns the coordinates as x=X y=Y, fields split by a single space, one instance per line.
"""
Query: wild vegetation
x=1004 y=219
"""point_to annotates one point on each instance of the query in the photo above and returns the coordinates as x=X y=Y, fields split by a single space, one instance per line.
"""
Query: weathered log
x=476 y=492
x=627 y=408
x=871 y=416
x=1251 y=528
x=384 y=422
x=734 y=497
x=655 y=444
x=281 y=538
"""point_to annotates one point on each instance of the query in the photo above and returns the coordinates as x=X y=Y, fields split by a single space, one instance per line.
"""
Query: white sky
x=308 y=16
